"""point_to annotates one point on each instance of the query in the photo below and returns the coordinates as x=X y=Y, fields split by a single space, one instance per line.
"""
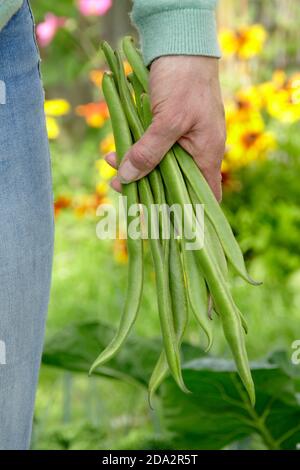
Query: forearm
x=176 y=27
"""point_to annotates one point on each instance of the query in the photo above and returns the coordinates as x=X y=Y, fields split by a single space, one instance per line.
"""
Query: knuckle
x=175 y=123
x=171 y=122
x=141 y=158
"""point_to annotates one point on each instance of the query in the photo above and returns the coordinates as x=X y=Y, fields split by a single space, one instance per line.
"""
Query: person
x=179 y=44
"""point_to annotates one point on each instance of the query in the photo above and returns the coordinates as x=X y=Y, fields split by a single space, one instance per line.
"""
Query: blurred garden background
x=260 y=71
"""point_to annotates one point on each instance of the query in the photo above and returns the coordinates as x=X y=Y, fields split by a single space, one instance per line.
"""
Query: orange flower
x=86 y=204
x=95 y=114
x=62 y=202
x=127 y=67
x=96 y=77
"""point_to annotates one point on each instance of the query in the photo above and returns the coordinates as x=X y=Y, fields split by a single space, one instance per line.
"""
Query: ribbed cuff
x=178 y=32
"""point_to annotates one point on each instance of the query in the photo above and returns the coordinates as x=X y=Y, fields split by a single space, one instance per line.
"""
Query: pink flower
x=46 y=30
x=94 y=7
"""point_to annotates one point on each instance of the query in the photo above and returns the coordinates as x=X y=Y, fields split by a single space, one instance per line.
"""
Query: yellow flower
x=102 y=188
x=57 y=107
x=107 y=145
x=244 y=42
x=53 y=129
x=248 y=99
x=120 y=251
x=294 y=84
x=247 y=141
x=281 y=97
x=106 y=172
x=53 y=109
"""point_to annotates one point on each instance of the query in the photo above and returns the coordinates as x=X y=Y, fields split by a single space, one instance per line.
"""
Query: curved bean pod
x=218 y=251
x=159 y=257
x=138 y=92
x=180 y=314
x=136 y=62
x=135 y=247
x=111 y=60
x=213 y=211
x=217 y=285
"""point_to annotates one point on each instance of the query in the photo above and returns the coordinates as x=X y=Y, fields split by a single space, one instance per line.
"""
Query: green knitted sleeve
x=175 y=27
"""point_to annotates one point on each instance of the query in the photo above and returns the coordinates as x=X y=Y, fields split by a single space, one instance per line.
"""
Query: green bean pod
x=161 y=267
x=154 y=177
x=180 y=314
x=138 y=92
x=173 y=179
x=135 y=247
x=171 y=346
x=218 y=251
x=197 y=294
x=213 y=211
x=111 y=60
x=135 y=60
x=218 y=287
x=196 y=287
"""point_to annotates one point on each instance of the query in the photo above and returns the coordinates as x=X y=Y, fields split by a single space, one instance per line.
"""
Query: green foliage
x=217 y=413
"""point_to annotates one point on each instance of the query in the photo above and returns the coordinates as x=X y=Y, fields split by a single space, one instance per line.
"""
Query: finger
x=111 y=159
x=215 y=182
x=116 y=185
x=209 y=162
x=146 y=154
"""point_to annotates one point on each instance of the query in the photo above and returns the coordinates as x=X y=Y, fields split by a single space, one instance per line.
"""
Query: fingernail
x=110 y=155
x=128 y=172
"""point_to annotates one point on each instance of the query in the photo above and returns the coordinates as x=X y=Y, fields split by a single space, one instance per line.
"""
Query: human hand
x=187 y=108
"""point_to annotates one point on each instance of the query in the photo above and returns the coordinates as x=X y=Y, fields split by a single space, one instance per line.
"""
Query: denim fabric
x=26 y=228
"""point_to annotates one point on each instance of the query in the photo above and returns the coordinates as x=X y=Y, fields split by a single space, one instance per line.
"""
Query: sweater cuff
x=178 y=32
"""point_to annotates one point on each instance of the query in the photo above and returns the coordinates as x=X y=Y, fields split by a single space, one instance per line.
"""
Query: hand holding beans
x=195 y=281
x=187 y=107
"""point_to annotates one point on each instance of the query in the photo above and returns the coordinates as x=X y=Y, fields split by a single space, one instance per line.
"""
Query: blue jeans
x=26 y=228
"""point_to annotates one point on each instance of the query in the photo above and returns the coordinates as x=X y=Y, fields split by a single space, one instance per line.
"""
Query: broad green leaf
x=218 y=413
x=75 y=347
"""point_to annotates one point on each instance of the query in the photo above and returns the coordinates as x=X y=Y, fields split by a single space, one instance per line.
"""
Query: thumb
x=146 y=154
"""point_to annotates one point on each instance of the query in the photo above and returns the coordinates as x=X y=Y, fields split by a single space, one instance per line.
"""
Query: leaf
x=75 y=348
x=218 y=413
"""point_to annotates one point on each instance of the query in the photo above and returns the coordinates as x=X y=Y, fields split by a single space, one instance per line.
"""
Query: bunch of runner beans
x=186 y=280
